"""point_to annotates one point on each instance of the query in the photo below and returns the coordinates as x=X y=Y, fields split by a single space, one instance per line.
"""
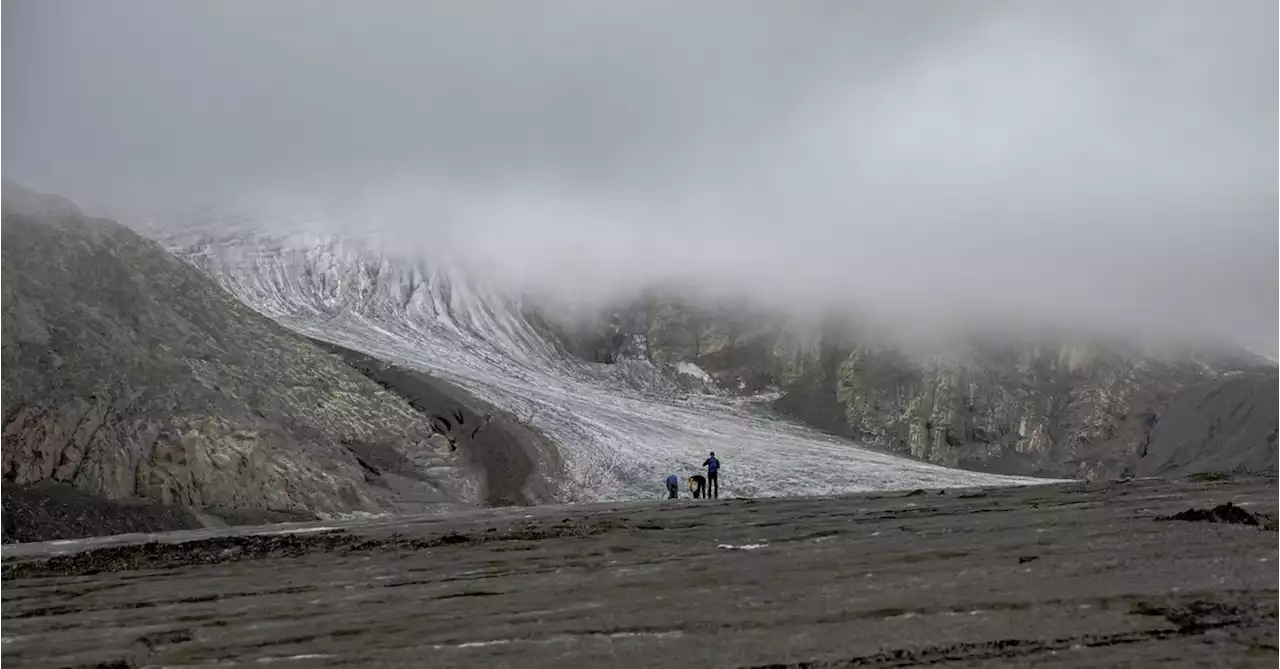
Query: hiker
x=673 y=486
x=713 y=475
x=697 y=485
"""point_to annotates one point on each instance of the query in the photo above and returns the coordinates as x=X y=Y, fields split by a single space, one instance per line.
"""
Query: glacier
x=621 y=428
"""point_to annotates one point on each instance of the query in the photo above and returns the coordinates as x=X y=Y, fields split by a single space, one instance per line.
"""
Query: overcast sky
x=1102 y=163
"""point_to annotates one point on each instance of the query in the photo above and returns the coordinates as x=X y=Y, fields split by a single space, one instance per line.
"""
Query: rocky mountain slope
x=521 y=465
x=1079 y=408
x=1227 y=424
x=129 y=375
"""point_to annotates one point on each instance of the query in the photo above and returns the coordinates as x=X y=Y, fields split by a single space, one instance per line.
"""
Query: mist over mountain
x=996 y=166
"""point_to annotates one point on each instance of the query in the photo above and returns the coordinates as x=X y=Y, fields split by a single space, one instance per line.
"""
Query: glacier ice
x=622 y=427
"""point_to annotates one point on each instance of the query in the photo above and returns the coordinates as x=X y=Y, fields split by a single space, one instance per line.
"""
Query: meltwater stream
x=622 y=428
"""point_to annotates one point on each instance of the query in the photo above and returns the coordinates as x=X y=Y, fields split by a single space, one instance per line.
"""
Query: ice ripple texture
x=622 y=428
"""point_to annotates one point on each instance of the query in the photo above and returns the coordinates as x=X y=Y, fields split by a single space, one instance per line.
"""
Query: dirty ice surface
x=622 y=428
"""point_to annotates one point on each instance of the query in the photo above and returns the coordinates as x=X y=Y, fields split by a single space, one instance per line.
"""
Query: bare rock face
x=1227 y=424
x=130 y=375
x=521 y=466
x=1072 y=410
x=1081 y=408
x=1064 y=409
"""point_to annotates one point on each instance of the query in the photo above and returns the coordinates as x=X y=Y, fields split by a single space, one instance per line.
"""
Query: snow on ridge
x=693 y=370
x=622 y=427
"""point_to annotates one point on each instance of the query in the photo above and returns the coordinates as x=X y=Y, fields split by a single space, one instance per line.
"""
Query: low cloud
x=1105 y=165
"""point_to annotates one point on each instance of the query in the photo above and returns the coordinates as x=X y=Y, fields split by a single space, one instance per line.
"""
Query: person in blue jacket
x=713 y=476
x=673 y=486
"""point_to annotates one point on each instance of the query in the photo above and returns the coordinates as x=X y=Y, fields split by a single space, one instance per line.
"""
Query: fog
x=1092 y=165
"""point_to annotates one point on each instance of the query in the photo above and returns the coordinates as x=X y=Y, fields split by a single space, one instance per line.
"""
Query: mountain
x=621 y=425
x=1048 y=405
x=232 y=373
x=1226 y=424
x=133 y=384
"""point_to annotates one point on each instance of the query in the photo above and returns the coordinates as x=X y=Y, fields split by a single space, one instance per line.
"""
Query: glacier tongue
x=622 y=428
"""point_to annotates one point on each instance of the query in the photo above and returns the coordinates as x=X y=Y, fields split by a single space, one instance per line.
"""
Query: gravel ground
x=1080 y=575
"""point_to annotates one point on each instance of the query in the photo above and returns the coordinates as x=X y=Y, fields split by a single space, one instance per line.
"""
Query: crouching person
x=698 y=485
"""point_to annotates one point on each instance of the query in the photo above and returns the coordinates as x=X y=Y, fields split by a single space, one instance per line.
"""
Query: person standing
x=713 y=476
x=673 y=486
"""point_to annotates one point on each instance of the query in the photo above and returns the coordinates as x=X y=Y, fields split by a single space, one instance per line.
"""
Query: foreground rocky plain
x=1079 y=575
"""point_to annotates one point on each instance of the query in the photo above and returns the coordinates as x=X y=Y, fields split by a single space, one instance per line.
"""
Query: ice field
x=622 y=428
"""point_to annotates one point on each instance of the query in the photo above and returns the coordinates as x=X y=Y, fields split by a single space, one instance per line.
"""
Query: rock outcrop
x=50 y=511
x=1061 y=407
x=1223 y=425
x=521 y=466
x=130 y=375
x=1074 y=409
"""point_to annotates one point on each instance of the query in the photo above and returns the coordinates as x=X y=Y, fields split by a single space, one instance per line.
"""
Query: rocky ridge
x=1046 y=406
x=130 y=376
x=1225 y=424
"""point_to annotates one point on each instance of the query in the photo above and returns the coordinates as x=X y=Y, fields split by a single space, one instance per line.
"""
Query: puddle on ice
x=300 y=530
x=975 y=612
x=657 y=635
x=478 y=644
x=560 y=638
